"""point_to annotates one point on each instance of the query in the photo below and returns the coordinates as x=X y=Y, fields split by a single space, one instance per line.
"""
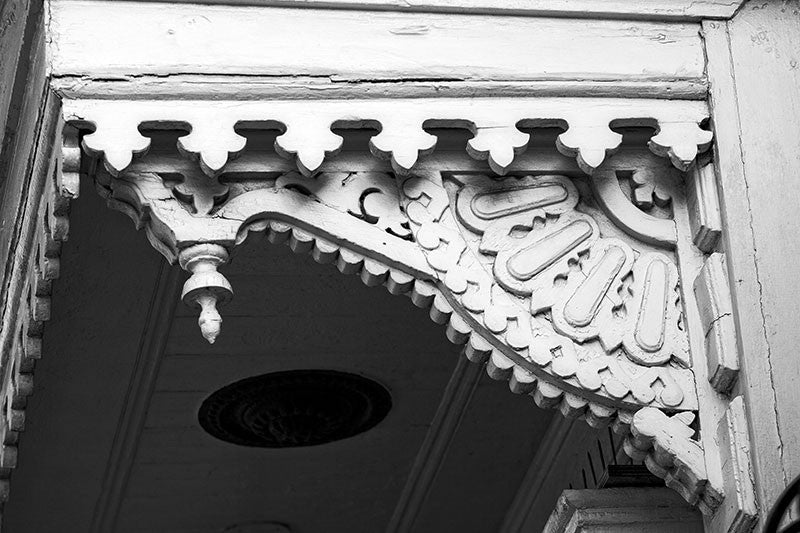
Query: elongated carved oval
x=655 y=302
x=478 y=208
x=582 y=307
x=653 y=308
x=534 y=259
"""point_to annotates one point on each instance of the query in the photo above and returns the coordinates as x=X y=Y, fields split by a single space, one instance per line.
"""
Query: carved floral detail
x=498 y=144
x=212 y=141
x=647 y=190
x=680 y=142
x=402 y=140
x=198 y=191
x=117 y=139
x=589 y=142
x=308 y=142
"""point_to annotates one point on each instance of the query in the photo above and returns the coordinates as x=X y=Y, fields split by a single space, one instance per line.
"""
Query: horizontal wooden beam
x=103 y=41
x=628 y=9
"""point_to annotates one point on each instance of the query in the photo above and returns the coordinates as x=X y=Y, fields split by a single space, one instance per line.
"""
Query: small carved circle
x=294 y=408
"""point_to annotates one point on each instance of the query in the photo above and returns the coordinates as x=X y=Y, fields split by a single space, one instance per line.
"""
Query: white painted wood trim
x=122 y=40
x=632 y=9
x=309 y=139
x=629 y=509
x=199 y=86
x=756 y=380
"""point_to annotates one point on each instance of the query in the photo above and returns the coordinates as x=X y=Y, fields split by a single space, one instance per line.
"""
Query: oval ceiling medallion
x=294 y=408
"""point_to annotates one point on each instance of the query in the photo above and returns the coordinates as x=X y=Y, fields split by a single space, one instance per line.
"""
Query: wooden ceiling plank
x=137 y=400
x=560 y=452
x=433 y=451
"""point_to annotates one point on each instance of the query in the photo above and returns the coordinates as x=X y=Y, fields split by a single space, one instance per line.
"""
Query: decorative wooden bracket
x=568 y=286
x=579 y=317
x=665 y=444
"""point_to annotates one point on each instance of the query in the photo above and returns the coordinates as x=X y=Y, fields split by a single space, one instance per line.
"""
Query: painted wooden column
x=754 y=73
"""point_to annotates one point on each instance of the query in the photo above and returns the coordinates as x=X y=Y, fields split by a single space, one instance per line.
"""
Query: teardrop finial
x=210 y=320
x=206 y=288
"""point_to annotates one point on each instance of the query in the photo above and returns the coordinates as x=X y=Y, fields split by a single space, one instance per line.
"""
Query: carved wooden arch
x=532 y=286
x=507 y=262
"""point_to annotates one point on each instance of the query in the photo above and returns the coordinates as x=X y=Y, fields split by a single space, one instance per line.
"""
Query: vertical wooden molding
x=704 y=216
x=434 y=448
x=738 y=512
x=137 y=400
x=716 y=314
x=739 y=245
x=13 y=23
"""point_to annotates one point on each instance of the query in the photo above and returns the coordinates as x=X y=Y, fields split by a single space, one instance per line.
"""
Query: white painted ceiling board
x=494 y=445
x=90 y=344
x=288 y=313
x=185 y=480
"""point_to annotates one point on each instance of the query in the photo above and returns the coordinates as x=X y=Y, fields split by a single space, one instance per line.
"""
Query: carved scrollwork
x=516 y=260
x=593 y=286
x=539 y=276
x=628 y=214
x=574 y=301
x=370 y=196
x=666 y=445
x=564 y=285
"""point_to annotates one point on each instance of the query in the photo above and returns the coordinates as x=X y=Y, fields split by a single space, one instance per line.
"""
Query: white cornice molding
x=671 y=10
x=276 y=48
